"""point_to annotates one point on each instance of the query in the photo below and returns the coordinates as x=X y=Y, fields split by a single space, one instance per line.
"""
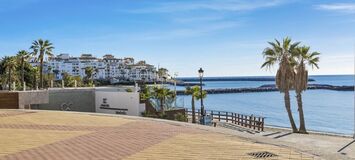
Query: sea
x=325 y=110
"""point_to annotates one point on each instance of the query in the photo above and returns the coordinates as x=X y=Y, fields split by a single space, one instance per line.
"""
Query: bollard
x=24 y=86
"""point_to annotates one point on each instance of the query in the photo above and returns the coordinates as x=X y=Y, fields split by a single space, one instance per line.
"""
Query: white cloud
x=338 y=7
x=214 y=5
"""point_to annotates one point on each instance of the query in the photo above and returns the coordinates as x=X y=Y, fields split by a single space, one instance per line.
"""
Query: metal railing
x=248 y=121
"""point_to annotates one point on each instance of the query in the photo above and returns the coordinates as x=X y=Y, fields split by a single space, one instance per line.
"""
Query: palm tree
x=23 y=57
x=282 y=54
x=198 y=95
x=43 y=48
x=89 y=71
x=10 y=65
x=2 y=74
x=146 y=92
x=301 y=78
x=162 y=94
x=192 y=91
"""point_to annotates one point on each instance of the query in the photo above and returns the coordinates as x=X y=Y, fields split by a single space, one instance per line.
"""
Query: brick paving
x=13 y=113
x=38 y=137
x=51 y=127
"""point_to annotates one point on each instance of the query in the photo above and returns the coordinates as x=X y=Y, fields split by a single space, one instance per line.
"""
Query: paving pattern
x=54 y=135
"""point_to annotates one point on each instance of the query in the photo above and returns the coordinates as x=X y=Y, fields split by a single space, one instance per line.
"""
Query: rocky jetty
x=271 y=88
x=196 y=79
x=319 y=86
x=185 y=84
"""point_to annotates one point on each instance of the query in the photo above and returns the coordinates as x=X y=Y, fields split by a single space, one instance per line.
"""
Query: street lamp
x=175 y=75
x=200 y=74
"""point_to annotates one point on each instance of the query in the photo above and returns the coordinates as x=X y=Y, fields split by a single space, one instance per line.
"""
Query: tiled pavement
x=62 y=135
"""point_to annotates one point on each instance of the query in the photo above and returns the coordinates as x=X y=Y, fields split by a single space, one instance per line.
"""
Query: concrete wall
x=82 y=100
x=20 y=99
x=32 y=97
x=118 y=102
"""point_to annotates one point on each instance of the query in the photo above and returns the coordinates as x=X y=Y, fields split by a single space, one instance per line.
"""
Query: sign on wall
x=115 y=102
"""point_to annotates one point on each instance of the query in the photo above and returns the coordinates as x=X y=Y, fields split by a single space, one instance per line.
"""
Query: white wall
x=118 y=100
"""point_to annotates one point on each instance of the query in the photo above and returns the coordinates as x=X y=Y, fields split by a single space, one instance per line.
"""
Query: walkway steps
x=236 y=127
x=276 y=135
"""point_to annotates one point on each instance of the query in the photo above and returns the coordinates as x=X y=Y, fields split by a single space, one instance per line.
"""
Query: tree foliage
x=42 y=48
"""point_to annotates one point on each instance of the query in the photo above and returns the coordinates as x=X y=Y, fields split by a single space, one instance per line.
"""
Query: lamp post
x=200 y=74
x=175 y=97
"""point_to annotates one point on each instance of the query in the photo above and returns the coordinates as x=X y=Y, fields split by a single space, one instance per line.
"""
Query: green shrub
x=149 y=114
x=181 y=117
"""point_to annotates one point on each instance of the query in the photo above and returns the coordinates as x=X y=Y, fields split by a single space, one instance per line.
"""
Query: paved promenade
x=42 y=135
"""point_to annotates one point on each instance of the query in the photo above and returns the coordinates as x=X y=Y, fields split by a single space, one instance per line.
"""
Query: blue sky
x=225 y=37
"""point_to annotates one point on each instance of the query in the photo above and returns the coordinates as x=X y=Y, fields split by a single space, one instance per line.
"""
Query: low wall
x=32 y=97
x=20 y=99
x=82 y=100
x=111 y=101
x=9 y=100
x=103 y=100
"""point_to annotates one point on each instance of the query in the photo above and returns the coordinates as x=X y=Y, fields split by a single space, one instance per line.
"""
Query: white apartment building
x=109 y=68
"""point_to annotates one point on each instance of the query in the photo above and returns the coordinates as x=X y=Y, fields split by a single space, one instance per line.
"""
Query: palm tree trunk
x=289 y=112
x=161 y=105
x=9 y=79
x=22 y=71
x=193 y=109
x=300 y=112
x=34 y=81
x=41 y=73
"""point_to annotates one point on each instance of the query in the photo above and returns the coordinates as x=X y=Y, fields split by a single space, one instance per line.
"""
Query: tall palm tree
x=303 y=57
x=42 y=48
x=2 y=74
x=22 y=57
x=10 y=65
x=282 y=54
x=192 y=91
